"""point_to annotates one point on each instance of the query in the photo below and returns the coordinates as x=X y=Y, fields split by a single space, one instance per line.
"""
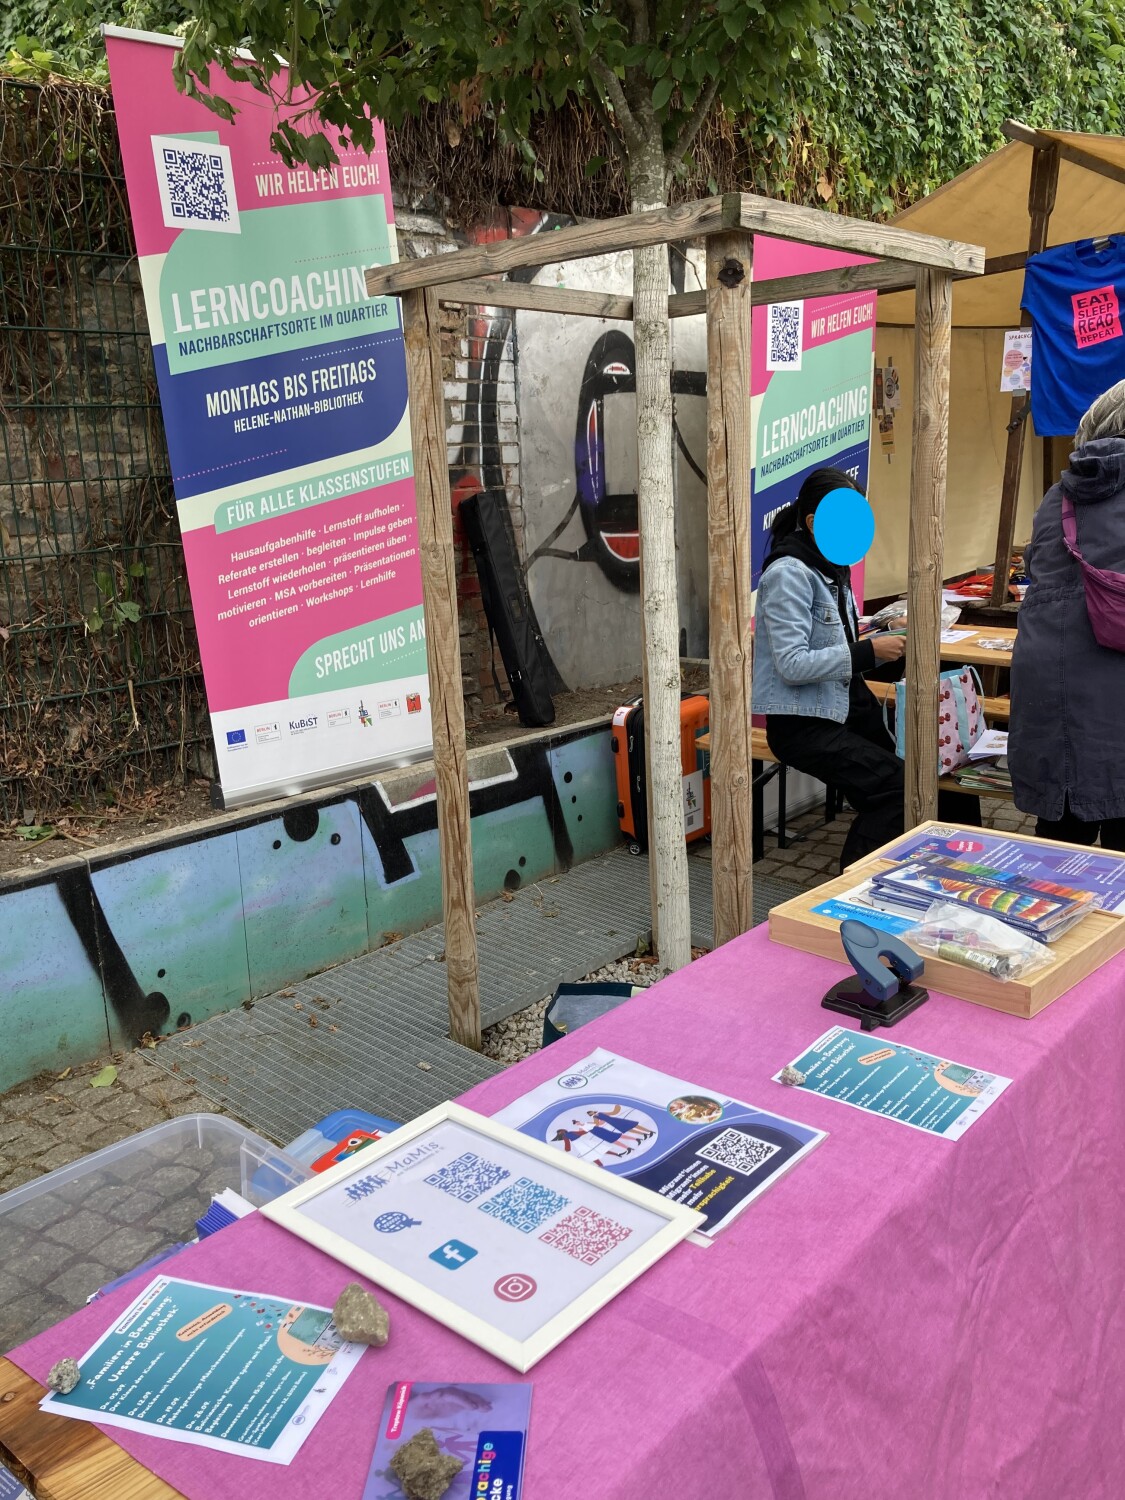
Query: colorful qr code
x=739 y=1150
x=468 y=1177
x=586 y=1236
x=525 y=1205
x=783 y=345
x=196 y=183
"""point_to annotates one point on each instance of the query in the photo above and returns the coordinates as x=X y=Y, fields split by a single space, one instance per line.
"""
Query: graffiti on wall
x=102 y=951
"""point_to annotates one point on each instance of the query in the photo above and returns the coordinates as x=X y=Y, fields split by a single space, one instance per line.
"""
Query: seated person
x=809 y=670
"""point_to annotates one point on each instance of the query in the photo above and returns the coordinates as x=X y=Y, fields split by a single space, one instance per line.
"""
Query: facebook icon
x=453 y=1254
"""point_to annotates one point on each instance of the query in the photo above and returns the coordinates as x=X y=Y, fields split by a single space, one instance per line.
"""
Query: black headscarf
x=790 y=538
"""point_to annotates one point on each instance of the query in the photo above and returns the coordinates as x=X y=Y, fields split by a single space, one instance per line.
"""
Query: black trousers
x=1072 y=830
x=858 y=757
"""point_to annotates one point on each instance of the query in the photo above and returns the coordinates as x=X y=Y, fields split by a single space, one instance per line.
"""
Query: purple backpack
x=1105 y=590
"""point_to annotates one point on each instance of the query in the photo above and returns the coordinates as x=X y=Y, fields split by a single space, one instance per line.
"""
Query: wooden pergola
x=901 y=259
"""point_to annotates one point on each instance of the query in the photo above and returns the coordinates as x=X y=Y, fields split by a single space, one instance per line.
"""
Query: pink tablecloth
x=898 y=1316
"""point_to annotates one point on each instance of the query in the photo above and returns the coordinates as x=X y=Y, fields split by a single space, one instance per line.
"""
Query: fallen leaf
x=66 y=1072
x=824 y=188
x=313 y=1021
x=287 y=994
x=298 y=1006
x=198 y=1043
x=333 y=1028
x=321 y=1003
x=248 y=1005
x=426 y=1067
x=507 y=895
x=103 y=1079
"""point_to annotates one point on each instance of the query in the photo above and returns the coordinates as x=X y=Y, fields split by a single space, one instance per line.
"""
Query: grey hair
x=1106 y=417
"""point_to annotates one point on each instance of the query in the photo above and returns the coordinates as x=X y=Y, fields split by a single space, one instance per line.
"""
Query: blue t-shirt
x=1075 y=295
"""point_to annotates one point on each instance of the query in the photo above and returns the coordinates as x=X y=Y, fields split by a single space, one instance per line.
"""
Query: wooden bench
x=760 y=750
x=994 y=708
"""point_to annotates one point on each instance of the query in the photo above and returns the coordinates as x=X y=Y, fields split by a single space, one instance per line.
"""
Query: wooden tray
x=1079 y=952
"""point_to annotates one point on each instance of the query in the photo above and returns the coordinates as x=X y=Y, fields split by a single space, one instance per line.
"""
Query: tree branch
x=641 y=33
x=608 y=79
x=616 y=144
x=692 y=125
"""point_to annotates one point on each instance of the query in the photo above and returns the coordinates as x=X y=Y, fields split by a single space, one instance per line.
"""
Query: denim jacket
x=802 y=658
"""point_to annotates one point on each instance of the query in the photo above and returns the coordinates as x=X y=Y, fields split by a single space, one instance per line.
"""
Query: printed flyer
x=1102 y=874
x=283 y=390
x=10 y=1487
x=485 y=1426
x=240 y=1372
x=687 y=1143
x=811 y=388
x=886 y=1078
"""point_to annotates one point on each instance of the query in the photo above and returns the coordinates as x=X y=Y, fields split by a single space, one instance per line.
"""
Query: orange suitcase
x=628 y=747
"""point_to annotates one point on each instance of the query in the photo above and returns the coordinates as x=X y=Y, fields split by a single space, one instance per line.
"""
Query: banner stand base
x=218 y=801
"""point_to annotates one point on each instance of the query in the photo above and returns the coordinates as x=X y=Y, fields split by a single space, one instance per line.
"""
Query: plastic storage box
x=333 y=1129
x=69 y=1233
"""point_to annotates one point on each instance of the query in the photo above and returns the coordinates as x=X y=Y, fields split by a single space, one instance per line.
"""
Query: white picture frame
x=669 y=1222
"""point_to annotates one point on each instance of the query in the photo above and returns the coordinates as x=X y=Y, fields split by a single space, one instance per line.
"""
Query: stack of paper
x=1040 y=908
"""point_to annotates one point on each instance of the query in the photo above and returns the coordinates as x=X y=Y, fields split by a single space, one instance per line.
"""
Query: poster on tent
x=811 y=376
x=283 y=390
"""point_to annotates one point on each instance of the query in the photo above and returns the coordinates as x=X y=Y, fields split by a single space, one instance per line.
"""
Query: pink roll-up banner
x=284 y=395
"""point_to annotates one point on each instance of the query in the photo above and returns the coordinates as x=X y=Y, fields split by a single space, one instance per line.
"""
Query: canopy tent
x=991 y=205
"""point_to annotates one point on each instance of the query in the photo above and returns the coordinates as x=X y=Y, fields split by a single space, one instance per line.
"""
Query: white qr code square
x=196 y=184
x=739 y=1151
x=784 y=340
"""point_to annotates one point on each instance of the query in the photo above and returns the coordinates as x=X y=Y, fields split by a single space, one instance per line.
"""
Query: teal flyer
x=238 y=1372
x=885 y=1078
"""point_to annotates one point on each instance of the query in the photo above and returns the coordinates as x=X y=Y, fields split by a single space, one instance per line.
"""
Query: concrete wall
x=98 y=951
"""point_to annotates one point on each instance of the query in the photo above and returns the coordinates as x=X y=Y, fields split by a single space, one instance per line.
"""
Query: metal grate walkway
x=372 y=1033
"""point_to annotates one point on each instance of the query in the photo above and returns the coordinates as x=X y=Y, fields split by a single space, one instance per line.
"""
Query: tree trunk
x=671 y=910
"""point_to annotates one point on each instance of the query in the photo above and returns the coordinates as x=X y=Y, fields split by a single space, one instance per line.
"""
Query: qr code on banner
x=468 y=1176
x=196 y=183
x=586 y=1236
x=739 y=1151
x=783 y=345
x=525 y=1205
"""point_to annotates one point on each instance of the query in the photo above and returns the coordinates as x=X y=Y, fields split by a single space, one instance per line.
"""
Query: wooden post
x=932 y=330
x=1040 y=203
x=422 y=330
x=730 y=261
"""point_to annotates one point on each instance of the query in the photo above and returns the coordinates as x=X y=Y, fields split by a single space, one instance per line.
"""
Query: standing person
x=809 y=667
x=1067 y=723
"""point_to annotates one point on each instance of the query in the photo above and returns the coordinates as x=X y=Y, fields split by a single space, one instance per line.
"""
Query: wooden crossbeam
x=1015 y=130
x=814 y=226
x=885 y=276
x=681 y=221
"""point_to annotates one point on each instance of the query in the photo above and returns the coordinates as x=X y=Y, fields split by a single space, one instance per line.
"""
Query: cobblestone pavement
x=54 y=1120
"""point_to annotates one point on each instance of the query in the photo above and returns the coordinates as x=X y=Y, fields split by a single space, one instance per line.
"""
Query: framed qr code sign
x=785 y=335
x=486 y=1230
x=195 y=180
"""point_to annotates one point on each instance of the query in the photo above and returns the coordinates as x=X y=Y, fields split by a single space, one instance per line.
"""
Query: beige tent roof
x=987 y=205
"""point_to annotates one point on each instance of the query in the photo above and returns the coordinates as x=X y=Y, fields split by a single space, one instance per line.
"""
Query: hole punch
x=877 y=995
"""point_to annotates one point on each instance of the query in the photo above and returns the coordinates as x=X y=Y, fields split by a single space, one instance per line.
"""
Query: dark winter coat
x=1067 y=730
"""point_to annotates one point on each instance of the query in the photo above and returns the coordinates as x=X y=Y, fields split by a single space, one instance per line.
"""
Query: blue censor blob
x=844 y=527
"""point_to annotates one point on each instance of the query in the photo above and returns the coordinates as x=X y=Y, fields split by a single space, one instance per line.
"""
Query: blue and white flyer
x=687 y=1143
x=239 y=1372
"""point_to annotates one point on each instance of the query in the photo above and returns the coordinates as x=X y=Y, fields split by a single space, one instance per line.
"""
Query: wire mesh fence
x=101 y=691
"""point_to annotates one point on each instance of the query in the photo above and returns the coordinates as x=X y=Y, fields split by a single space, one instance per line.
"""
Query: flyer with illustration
x=239 y=1372
x=485 y=1426
x=885 y=1078
x=1100 y=872
x=690 y=1144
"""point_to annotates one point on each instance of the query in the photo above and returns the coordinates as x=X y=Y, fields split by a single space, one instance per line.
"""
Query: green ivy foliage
x=897 y=100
